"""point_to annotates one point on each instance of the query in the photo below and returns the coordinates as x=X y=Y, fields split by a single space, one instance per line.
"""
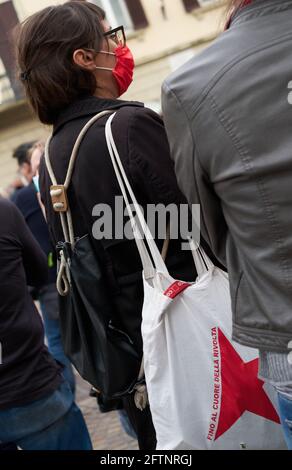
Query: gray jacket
x=228 y=116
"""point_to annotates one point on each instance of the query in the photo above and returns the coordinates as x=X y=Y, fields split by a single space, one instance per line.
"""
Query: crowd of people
x=223 y=143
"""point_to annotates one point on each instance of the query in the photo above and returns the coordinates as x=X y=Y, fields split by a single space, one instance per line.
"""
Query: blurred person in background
x=37 y=408
x=228 y=117
x=23 y=177
x=26 y=200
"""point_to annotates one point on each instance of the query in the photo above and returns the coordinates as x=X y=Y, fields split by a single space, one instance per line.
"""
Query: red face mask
x=124 y=68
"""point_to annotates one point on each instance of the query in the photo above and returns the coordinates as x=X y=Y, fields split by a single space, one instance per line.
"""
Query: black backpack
x=103 y=355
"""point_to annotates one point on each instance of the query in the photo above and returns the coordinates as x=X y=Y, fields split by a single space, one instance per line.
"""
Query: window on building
x=207 y=2
x=129 y=13
x=192 y=4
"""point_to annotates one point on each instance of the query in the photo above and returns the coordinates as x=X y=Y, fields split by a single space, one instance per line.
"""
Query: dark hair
x=45 y=46
x=21 y=153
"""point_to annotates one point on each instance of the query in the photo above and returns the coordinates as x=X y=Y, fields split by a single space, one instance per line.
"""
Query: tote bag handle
x=141 y=232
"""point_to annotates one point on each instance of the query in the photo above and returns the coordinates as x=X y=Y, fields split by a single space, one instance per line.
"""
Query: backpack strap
x=60 y=202
x=58 y=192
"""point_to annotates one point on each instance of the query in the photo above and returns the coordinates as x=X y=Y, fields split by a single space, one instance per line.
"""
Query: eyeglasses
x=117 y=35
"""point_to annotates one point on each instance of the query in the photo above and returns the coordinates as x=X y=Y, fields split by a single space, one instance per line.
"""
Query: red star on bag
x=242 y=390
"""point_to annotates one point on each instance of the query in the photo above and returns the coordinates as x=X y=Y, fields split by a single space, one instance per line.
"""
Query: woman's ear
x=84 y=59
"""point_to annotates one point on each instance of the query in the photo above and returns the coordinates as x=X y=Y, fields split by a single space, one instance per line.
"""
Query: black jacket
x=27 y=370
x=143 y=147
x=27 y=202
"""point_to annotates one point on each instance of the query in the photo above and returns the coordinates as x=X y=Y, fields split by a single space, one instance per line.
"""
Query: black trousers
x=142 y=424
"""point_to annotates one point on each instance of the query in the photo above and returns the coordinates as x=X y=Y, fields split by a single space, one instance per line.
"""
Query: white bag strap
x=201 y=259
x=149 y=267
x=140 y=396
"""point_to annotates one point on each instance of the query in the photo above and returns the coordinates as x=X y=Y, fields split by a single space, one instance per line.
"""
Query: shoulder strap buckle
x=59 y=198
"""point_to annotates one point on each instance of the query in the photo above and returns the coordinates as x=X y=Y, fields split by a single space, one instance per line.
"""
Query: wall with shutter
x=190 y=4
x=8 y=21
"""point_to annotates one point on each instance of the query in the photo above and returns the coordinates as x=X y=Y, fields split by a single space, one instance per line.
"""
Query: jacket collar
x=258 y=8
x=88 y=107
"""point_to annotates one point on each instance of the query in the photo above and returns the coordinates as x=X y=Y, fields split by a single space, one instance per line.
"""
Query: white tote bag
x=203 y=388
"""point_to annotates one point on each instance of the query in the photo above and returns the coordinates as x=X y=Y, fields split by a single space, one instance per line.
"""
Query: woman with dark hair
x=237 y=93
x=74 y=66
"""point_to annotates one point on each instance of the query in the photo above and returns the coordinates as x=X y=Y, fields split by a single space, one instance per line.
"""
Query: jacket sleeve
x=192 y=178
x=33 y=257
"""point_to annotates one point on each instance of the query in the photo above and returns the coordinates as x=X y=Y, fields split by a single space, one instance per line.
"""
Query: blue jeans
x=52 y=423
x=50 y=312
x=286 y=417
